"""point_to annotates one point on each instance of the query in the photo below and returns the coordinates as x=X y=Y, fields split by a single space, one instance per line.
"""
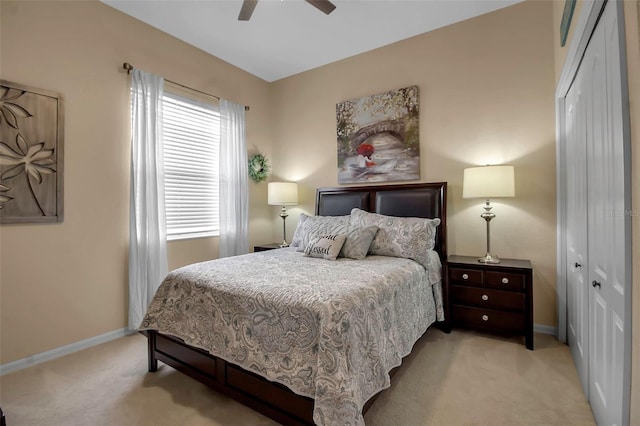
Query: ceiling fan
x=248 y=5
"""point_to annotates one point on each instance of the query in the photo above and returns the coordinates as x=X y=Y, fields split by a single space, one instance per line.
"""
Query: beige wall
x=500 y=113
x=66 y=282
x=486 y=96
x=632 y=31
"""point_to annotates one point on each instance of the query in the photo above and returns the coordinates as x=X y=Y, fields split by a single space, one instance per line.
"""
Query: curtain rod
x=127 y=66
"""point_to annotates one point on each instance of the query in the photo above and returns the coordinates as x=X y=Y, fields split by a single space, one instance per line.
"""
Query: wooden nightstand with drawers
x=265 y=247
x=491 y=297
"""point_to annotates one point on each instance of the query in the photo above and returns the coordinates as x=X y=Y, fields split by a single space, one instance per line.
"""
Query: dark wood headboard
x=428 y=200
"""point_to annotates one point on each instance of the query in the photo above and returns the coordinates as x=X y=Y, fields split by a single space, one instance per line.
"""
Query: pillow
x=356 y=246
x=408 y=237
x=310 y=227
x=325 y=246
x=296 y=240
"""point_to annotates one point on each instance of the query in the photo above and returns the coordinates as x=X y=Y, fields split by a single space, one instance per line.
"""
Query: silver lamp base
x=488 y=215
x=283 y=215
x=489 y=258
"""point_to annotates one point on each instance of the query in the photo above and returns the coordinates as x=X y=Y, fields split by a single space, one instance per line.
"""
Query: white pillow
x=408 y=237
x=325 y=246
x=296 y=240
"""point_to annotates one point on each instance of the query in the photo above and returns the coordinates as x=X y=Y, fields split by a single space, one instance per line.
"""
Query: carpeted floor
x=462 y=378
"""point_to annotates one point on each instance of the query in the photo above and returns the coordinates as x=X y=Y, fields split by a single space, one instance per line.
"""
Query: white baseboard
x=62 y=351
x=545 y=329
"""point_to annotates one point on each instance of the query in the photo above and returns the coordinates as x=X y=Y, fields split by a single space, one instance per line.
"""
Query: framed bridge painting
x=378 y=138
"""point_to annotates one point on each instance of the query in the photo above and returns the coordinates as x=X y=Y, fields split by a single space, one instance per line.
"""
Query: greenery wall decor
x=258 y=168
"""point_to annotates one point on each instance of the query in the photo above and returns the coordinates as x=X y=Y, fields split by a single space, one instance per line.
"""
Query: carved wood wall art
x=31 y=154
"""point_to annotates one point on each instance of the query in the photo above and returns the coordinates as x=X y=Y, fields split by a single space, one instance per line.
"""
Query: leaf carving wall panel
x=31 y=154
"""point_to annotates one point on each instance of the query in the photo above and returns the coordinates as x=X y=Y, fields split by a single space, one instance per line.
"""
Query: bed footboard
x=271 y=399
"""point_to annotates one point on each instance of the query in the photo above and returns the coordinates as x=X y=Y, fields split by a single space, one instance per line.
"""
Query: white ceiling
x=286 y=37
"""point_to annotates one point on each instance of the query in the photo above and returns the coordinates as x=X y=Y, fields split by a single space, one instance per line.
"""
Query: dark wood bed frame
x=272 y=399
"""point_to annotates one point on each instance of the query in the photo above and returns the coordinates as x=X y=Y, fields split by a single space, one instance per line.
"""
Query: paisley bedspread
x=329 y=330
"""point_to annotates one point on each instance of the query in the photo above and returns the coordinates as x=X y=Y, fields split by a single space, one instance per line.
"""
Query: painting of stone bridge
x=378 y=138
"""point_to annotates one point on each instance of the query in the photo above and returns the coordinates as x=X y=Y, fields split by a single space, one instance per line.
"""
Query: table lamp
x=283 y=194
x=488 y=182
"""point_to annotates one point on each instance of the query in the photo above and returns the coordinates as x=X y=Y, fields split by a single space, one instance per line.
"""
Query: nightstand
x=265 y=247
x=491 y=297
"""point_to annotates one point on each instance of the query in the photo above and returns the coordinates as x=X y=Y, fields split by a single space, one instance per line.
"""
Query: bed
x=322 y=343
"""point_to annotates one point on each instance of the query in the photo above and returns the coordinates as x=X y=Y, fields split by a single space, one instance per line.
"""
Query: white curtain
x=234 y=182
x=147 y=229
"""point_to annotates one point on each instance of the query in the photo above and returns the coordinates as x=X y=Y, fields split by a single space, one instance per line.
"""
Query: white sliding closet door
x=577 y=268
x=606 y=225
x=595 y=229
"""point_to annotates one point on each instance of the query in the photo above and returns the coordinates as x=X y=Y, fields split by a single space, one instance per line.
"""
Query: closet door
x=608 y=244
x=577 y=267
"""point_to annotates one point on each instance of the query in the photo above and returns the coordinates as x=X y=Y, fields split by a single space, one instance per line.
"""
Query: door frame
x=591 y=11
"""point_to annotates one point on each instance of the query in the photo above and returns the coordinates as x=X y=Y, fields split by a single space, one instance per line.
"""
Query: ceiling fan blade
x=324 y=5
x=247 y=9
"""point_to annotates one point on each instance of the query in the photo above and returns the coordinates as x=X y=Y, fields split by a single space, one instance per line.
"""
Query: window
x=191 y=131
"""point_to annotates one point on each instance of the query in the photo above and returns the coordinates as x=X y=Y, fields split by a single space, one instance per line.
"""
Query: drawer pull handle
x=485 y=318
x=465 y=276
x=505 y=281
x=485 y=297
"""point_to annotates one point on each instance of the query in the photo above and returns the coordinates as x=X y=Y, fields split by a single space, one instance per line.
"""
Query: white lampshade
x=282 y=193
x=488 y=182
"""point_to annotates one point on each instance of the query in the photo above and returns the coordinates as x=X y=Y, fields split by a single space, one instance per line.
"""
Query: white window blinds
x=191 y=132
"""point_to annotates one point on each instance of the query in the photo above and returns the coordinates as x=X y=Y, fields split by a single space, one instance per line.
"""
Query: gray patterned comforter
x=329 y=330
